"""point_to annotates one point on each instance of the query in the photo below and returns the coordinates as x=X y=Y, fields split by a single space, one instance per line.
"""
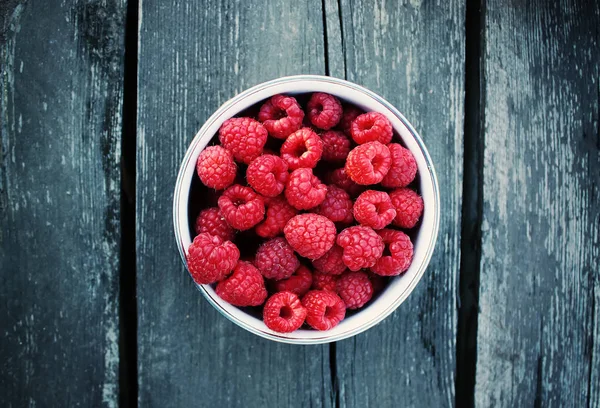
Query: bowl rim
x=430 y=245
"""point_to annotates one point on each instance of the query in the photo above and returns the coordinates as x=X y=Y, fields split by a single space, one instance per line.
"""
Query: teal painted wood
x=412 y=53
x=538 y=340
x=194 y=56
x=61 y=66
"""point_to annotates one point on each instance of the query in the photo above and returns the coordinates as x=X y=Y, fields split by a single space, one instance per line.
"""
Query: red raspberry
x=378 y=282
x=324 y=309
x=241 y=207
x=336 y=146
x=279 y=212
x=216 y=168
x=371 y=127
x=302 y=148
x=409 y=207
x=244 y=137
x=209 y=259
x=355 y=289
x=284 y=312
x=281 y=115
x=324 y=281
x=211 y=221
x=368 y=163
x=275 y=259
x=374 y=209
x=403 y=169
x=337 y=206
x=299 y=283
x=341 y=179
x=304 y=190
x=401 y=252
x=362 y=247
x=267 y=175
x=351 y=112
x=324 y=110
x=310 y=235
x=331 y=262
x=245 y=286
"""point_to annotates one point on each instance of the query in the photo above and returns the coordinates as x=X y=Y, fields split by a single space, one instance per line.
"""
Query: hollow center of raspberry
x=237 y=201
x=279 y=114
x=299 y=150
x=318 y=109
x=366 y=125
x=286 y=312
x=379 y=208
x=386 y=251
x=377 y=162
x=329 y=312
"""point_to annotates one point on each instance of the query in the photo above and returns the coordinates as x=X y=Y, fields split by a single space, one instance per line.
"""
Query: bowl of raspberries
x=306 y=209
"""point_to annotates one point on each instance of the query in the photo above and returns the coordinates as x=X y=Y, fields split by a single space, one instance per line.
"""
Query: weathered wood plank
x=541 y=214
x=61 y=66
x=193 y=56
x=411 y=53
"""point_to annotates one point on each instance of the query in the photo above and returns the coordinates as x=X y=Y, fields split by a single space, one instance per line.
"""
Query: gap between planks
x=128 y=381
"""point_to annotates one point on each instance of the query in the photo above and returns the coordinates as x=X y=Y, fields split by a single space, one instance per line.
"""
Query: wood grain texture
x=193 y=56
x=60 y=109
x=411 y=53
x=538 y=325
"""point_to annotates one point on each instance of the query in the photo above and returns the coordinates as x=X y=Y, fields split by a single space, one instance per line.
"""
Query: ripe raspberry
x=275 y=259
x=368 y=163
x=341 y=179
x=279 y=212
x=299 y=283
x=284 y=312
x=245 y=286
x=362 y=247
x=211 y=221
x=331 y=262
x=336 y=146
x=371 y=127
x=337 y=206
x=216 y=168
x=409 y=207
x=403 y=169
x=281 y=116
x=209 y=259
x=241 y=207
x=401 y=252
x=302 y=148
x=355 y=289
x=324 y=281
x=374 y=209
x=267 y=175
x=304 y=190
x=324 y=110
x=351 y=112
x=378 y=282
x=324 y=309
x=244 y=137
x=310 y=235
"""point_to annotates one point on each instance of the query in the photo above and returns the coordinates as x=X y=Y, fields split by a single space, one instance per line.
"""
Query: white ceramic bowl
x=424 y=241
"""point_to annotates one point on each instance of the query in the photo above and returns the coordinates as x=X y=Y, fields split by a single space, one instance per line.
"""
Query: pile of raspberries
x=328 y=210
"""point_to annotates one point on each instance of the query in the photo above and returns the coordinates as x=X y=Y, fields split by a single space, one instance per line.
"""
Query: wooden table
x=99 y=100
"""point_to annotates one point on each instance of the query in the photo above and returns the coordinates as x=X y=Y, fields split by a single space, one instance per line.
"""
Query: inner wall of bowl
x=399 y=288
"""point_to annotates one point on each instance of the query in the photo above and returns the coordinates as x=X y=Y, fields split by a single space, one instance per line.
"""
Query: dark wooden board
x=411 y=53
x=193 y=56
x=61 y=68
x=538 y=342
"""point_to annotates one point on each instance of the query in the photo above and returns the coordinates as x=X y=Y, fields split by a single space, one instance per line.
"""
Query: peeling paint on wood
x=194 y=56
x=413 y=55
x=59 y=198
x=537 y=340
